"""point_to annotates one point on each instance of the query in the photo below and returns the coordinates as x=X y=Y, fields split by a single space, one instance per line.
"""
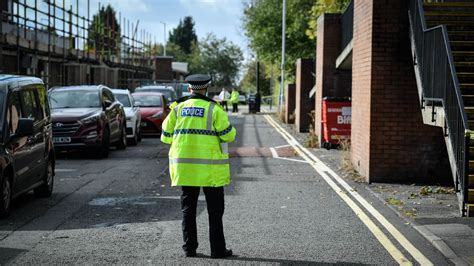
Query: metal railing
x=347 y=25
x=433 y=57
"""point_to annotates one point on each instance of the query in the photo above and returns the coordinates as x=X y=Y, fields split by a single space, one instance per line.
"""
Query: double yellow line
x=344 y=190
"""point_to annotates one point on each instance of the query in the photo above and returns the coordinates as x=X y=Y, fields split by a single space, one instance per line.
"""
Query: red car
x=153 y=110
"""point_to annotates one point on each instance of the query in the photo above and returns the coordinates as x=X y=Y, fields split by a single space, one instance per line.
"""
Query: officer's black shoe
x=225 y=253
x=190 y=254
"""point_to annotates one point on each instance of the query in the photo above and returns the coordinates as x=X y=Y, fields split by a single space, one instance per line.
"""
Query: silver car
x=132 y=112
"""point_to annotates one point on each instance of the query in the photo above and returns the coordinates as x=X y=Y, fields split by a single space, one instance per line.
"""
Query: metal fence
x=440 y=86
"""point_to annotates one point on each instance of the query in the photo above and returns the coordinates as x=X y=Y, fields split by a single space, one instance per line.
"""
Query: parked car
x=26 y=155
x=182 y=89
x=132 y=113
x=153 y=110
x=167 y=91
x=87 y=117
x=242 y=99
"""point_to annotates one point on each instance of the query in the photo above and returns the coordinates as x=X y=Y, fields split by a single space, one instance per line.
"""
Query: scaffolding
x=67 y=45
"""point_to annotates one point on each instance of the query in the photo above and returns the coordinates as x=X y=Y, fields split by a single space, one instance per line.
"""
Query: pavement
x=282 y=207
x=430 y=207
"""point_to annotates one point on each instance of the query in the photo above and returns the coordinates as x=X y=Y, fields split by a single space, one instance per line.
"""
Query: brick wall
x=361 y=84
x=304 y=83
x=290 y=93
x=329 y=80
x=389 y=140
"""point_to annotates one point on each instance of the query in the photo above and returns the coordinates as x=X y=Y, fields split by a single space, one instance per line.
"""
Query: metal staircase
x=442 y=40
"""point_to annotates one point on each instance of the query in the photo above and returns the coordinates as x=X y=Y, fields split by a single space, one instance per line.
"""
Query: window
x=30 y=107
x=43 y=99
x=108 y=95
x=13 y=112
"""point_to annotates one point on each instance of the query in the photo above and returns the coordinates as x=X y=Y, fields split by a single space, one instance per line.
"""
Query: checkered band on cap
x=199 y=87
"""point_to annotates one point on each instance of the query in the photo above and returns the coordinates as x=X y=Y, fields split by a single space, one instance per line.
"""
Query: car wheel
x=46 y=190
x=6 y=197
x=134 y=140
x=103 y=151
x=122 y=142
x=139 y=136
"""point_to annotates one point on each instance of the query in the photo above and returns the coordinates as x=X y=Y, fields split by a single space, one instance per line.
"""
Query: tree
x=104 y=31
x=262 y=23
x=323 y=6
x=171 y=50
x=249 y=80
x=184 y=35
x=175 y=51
x=217 y=57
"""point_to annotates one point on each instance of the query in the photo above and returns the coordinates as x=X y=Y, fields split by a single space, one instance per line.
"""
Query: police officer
x=198 y=130
x=234 y=99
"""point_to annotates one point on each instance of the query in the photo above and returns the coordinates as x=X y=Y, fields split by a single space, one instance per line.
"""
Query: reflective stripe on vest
x=198 y=161
x=209 y=116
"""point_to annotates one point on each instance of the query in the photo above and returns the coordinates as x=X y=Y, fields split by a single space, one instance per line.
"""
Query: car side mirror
x=25 y=127
x=107 y=103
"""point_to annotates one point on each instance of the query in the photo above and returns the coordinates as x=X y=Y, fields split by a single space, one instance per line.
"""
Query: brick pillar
x=290 y=92
x=304 y=83
x=328 y=48
x=163 y=68
x=389 y=140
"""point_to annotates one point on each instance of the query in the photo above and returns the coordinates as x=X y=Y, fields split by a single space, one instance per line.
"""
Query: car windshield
x=123 y=99
x=148 y=100
x=150 y=88
x=169 y=94
x=74 y=99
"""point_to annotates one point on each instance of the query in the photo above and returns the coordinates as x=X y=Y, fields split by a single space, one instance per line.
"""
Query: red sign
x=336 y=121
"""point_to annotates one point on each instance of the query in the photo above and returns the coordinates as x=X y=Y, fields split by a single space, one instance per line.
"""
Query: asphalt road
x=122 y=210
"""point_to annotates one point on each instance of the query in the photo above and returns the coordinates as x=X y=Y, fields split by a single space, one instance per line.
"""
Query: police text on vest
x=192 y=111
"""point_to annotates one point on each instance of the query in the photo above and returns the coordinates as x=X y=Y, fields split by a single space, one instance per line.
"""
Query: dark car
x=87 y=117
x=26 y=152
x=153 y=110
x=167 y=91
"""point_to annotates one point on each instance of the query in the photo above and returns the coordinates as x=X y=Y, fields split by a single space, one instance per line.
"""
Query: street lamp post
x=164 y=36
x=282 y=80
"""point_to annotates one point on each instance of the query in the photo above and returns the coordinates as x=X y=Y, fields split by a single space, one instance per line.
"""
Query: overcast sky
x=221 y=17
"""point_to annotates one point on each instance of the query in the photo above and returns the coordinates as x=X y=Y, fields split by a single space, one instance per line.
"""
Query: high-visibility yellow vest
x=196 y=128
x=234 y=97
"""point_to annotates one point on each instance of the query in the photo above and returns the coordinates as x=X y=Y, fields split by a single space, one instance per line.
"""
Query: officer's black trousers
x=235 y=107
x=215 y=209
x=224 y=104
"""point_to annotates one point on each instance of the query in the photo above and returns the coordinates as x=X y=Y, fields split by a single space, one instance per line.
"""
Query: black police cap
x=198 y=81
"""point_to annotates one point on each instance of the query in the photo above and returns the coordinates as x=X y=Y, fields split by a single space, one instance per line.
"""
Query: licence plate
x=143 y=124
x=61 y=140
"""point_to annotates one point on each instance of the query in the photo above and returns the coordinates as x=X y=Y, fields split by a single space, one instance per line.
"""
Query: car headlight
x=158 y=115
x=91 y=119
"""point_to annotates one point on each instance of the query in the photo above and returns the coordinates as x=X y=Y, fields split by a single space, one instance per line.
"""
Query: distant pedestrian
x=234 y=99
x=224 y=96
x=198 y=130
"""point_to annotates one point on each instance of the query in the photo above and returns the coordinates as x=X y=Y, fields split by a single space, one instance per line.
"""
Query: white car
x=132 y=112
